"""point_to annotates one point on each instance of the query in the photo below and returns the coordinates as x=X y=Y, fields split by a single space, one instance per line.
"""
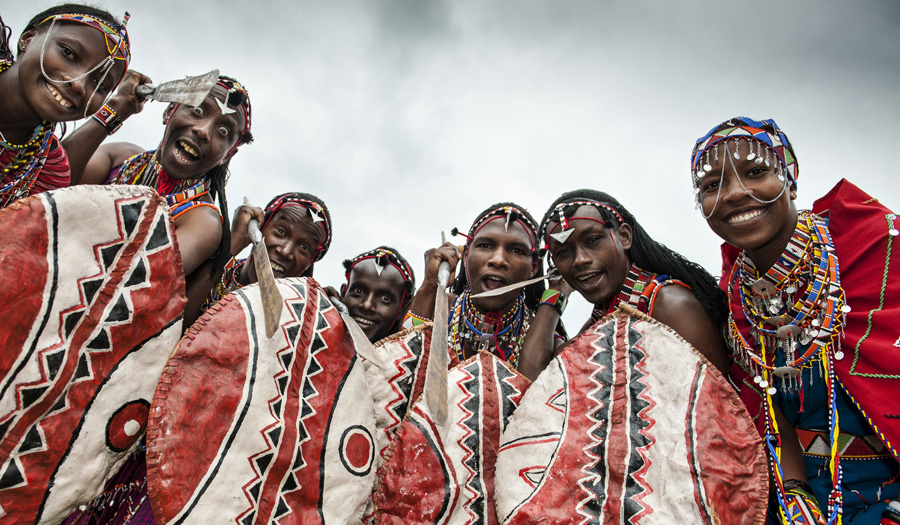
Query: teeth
x=187 y=147
x=365 y=322
x=277 y=267
x=62 y=102
x=744 y=217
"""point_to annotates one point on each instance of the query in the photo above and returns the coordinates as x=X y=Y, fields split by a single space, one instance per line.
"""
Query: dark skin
x=195 y=141
x=71 y=50
x=762 y=231
x=594 y=261
x=374 y=300
x=496 y=257
x=291 y=241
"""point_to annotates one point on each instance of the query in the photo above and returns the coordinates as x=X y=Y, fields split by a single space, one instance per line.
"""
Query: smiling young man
x=813 y=327
x=189 y=167
x=604 y=254
x=297 y=231
x=380 y=285
x=70 y=57
x=501 y=249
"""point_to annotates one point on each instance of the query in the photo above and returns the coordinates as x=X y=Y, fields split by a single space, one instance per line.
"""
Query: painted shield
x=445 y=474
x=91 y=301
x=629 y=424
x=246 y=429
x=396 y=387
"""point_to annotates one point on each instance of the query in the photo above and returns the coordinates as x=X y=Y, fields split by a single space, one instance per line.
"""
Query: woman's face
x=762 y=225
x=71 y=49
x=593 y=259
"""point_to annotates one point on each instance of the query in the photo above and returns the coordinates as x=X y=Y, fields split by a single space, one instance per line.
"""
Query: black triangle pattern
x=11 y=476
x=108 y=254
x=90 y=289
x=32 y=441
x=54 y=361
x=139 y=275
x=159 y=237
x=131 y=212
x=30 y=395
x=71 y=322
x=101 y=342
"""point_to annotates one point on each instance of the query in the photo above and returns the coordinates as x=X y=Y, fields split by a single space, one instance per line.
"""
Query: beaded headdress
x=563 y=211
x=511 y=213
x=236 y=95
x=117 y=45
x=765 y=135
x=317 y=212
x=381 y=257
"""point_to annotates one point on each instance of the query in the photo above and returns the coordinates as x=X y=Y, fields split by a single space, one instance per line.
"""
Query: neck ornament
x=502 y=334
x=632 y=293
x=797 y=303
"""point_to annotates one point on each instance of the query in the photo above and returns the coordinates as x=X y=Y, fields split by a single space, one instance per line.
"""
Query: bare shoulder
x=119 y=152
x=678 y=307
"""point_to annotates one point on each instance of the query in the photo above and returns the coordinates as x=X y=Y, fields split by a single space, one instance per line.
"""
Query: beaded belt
x=816 y=443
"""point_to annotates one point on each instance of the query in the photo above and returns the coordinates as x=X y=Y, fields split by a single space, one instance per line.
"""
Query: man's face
x=499 y=256
x=374 y=300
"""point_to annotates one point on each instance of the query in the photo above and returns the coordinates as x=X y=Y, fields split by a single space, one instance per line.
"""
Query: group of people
x=803 y=321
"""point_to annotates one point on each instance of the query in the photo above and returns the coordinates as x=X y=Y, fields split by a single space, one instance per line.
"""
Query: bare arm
x=677 y=307
x=540 y=341
x=82 y=144
x=198 y=232
x=423 y=303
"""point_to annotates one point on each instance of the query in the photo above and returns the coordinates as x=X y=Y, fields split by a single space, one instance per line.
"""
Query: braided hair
x=73 y=9
x=317 y=207
x=647 y=253
x=512 y=212
x=218 y=176
x=6 y=53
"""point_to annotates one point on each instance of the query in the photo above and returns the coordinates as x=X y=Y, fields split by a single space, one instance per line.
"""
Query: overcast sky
x=409 y=117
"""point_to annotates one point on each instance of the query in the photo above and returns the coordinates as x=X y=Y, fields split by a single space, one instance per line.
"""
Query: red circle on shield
x=357 y=450
x=127 y=424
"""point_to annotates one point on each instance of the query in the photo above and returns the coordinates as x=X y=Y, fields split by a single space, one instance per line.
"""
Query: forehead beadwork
x=560 y=211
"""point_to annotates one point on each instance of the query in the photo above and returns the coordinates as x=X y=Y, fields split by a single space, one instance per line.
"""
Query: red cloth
x=55 y=173
x=869 y=373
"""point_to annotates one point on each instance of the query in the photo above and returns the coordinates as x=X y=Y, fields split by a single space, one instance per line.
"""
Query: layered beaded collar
x=500 y=334
x=145 y=169
x=797 y=302
x=631 y=293
x=24 y=160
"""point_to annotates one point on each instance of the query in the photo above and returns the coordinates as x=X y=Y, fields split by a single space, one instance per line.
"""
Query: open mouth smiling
x=740 y=218
x=59 y=98
x=492 y=282
x=185 y=152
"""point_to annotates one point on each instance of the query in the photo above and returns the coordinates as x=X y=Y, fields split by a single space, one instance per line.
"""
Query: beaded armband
x=109 y=118
x=800 y=505
x=412 y=320
x=554 y=298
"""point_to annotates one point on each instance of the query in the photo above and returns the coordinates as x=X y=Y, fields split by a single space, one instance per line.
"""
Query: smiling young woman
x=70 y=58
x=814 y=309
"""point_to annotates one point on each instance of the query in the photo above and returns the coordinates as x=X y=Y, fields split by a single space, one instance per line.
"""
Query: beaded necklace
x=798 y=300
x=19 y=175
x=227 y=284
x=503 y=335
x=632 y=292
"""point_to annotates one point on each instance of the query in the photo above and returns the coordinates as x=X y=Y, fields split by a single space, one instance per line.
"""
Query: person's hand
x=446 y=252
x=240 y=231
x=558 y=283
x=126 y=102
x=332 y=292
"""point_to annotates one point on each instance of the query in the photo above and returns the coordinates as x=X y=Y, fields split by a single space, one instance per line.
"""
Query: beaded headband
x=511 y=213
x=117 y=43
x=236 y=95
x=560 y=212
x=317 y=212
x=765 y=134
x=381 y=257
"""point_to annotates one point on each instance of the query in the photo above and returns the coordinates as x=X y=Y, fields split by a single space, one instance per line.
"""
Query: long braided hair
x=513 y=212
x=218 y=176
x=647 y=253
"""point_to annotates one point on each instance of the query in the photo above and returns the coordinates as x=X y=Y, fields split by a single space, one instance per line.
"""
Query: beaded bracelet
x=556 y=299
x=109 y=118
x=412 y=320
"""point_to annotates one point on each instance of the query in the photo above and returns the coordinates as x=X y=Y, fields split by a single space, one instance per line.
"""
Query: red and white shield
x=395 y=387
x=246 y=429
x=92 y=299
x=629 y=424
x=445 y=474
